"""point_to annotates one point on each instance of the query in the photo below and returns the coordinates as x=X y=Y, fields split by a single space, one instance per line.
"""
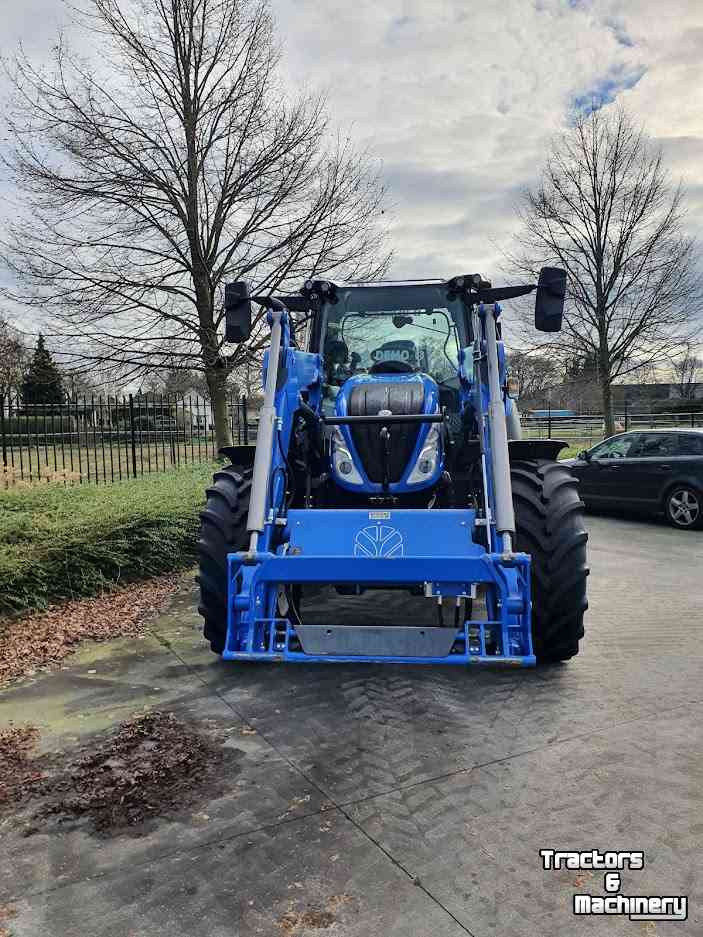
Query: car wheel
x=684 y=507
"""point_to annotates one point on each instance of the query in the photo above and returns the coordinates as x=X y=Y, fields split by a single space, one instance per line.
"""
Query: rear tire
x=683 y=507
x=223 y=530
x=550 y=527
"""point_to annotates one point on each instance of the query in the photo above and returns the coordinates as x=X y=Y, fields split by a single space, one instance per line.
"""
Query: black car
x=649 y=470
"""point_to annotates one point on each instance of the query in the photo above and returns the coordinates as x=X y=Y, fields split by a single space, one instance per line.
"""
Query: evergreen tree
x=42 y=381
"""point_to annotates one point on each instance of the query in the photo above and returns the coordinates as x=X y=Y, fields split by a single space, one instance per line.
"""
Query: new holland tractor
x=389 y=461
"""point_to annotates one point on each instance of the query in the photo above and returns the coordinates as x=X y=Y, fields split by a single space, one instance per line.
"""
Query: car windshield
x=398 y=329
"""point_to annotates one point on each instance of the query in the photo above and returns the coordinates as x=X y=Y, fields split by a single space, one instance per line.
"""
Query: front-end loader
x=389 y=459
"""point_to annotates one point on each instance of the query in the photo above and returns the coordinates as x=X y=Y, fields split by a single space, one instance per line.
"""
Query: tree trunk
x=217 y=385
x=605 y=376
x=607 y=393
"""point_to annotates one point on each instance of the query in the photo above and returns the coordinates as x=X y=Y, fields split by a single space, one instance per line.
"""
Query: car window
x=656 y=445
x=617 y=447
x=691 y=444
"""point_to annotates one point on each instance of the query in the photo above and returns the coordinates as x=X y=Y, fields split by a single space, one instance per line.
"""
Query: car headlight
x=342 y=461
x=426 y=464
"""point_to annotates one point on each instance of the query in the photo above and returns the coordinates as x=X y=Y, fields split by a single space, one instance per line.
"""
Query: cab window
x=393 y=329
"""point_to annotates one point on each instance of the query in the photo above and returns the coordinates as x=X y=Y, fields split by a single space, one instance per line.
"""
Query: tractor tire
x=549 y=526
x=223 y=530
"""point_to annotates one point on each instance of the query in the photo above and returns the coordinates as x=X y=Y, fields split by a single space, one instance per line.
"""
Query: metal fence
x=590 y=428
x=100 y=440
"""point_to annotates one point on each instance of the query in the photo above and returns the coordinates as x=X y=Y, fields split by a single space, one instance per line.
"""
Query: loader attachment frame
x=378 y=548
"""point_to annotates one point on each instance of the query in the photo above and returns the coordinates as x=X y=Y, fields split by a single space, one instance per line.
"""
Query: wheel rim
x=684 y=507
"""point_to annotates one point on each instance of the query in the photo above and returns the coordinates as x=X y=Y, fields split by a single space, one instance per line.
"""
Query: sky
x=458 y=99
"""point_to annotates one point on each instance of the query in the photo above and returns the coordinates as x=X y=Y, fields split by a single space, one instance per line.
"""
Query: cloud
x=461 y=104
x=459 y=100
x=619 y=31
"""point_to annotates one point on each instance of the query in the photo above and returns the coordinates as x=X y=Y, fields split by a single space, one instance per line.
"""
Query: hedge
x=678 y=406
x=38 y=424
x=58 y=543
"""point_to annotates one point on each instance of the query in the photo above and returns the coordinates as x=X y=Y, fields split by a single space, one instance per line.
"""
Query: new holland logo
x=378 y=541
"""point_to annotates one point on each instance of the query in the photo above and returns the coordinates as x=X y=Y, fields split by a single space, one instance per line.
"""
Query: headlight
x=342 y=461
x=428 y=459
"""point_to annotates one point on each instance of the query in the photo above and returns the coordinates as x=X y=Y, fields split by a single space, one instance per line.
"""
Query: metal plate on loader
x=370 y=641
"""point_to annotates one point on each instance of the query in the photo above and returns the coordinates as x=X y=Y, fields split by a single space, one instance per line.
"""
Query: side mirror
x=237 y=312
x=584 y=455
x=549 y=303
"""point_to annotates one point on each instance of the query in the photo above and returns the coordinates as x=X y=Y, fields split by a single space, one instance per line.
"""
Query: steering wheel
x=391 y=367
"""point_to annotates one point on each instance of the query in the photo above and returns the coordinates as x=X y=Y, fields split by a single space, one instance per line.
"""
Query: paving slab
x=474 y=839
x=101 y=682
x=314 y=876
x=259 y=788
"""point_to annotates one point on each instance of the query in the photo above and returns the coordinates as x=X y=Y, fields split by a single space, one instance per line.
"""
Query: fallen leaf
x=43 y=639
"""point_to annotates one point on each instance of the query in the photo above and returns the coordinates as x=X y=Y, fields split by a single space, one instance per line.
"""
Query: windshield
x=376 y=330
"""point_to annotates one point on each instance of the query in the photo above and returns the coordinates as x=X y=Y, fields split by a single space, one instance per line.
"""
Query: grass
x=60 y=542
x=99 y=463
x=576 y=446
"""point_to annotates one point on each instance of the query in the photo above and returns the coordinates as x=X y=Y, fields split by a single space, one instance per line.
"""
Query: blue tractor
x=389 y=459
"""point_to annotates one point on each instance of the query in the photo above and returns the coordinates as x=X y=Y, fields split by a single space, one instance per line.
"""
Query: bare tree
x=685 y=371
x=14 y=357
x=533 y=372
x=606 y=211
x=175 y=164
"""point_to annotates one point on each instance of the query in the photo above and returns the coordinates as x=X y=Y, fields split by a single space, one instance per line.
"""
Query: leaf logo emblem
x=378 y=541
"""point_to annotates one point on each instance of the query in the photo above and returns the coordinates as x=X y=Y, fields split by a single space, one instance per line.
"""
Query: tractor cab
x=388 y=350
x=389 y=329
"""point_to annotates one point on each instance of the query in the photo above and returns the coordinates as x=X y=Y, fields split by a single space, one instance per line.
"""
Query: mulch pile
x=18 y=772
x=42 y=639
x=151 y=766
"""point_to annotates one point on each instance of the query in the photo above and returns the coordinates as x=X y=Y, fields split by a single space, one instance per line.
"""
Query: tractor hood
x=399 y=458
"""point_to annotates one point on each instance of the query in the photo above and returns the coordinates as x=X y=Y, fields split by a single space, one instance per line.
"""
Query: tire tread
x=549 y=526
x=223 y=530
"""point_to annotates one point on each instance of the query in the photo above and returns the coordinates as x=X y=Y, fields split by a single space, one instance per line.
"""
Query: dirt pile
x=153 y=765
x=18 y=770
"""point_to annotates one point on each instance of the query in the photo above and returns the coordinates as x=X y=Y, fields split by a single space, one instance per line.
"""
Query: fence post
x=2 y=430
x=131 y=433
x=627 y=416
x=693 y=419
x=245 y=420
x=170 y=430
